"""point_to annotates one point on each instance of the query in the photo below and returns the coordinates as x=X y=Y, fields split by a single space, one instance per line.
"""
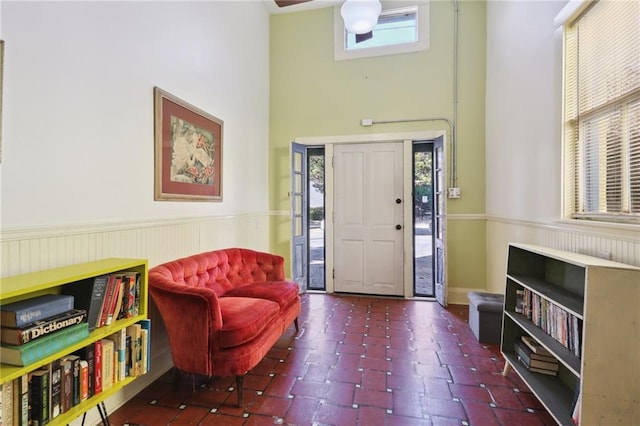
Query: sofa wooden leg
x=239 y=380
x=295 y=322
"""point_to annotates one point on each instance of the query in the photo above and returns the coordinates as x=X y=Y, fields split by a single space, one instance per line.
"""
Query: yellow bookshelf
x=25 y=286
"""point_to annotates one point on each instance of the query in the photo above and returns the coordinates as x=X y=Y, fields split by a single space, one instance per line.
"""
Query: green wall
x=311 y=94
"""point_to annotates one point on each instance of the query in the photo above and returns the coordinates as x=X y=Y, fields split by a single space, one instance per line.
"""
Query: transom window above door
x=402 y=27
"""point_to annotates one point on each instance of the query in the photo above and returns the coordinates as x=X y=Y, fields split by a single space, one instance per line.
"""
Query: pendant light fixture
x=360 y=16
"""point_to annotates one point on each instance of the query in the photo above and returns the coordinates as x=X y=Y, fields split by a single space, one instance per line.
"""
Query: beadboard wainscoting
x=29 y=250
x=620 y=243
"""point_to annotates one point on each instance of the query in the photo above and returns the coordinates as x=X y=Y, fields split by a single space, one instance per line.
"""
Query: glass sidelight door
x=423 y=219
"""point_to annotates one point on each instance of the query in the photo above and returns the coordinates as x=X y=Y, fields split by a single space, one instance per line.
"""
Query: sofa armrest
x=191 y=316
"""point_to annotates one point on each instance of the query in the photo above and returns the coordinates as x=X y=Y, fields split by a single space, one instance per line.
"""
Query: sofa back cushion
x=223 y=270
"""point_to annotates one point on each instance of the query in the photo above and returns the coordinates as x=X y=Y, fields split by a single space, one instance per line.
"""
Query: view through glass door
x=315 y=166
x=423 y=178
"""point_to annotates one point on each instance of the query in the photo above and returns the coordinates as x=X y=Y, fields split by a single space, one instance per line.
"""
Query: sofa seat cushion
x=244 y=318
x=282 y=292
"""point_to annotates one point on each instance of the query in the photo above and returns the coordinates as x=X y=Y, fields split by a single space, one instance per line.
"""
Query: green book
x=38 y=349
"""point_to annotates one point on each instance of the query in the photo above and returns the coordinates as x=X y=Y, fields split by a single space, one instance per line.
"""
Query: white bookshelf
x=605 y=297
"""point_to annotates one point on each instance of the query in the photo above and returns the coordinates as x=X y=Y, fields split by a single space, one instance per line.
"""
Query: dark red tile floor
x=356 y=361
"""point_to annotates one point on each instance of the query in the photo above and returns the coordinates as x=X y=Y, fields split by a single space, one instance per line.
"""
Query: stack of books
x=35 y=328
x=535 y=357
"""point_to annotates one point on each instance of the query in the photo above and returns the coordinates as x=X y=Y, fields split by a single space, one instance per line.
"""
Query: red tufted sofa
x=224 y=309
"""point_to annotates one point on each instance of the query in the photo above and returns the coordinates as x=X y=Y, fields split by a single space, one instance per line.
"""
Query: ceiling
x=314 y=4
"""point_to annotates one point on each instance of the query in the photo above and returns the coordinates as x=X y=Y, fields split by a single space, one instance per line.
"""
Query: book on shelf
x=519 y=307
x=115 y=312
x=21 y=400
x=6 y=402
x=541 y=355
x=131 y=302
x=75 y=375
x=145 y=324
x=39 y=397
x=56 y=388
x=576 y=409
x=538 y=370
x=66 y=390
x=97 y=368
x=108 y=358
x=119 y=339
x=31 y=352
x=135 y=353
x=88 y=354
x=128 y=280
x=537 y=350
x=19 y=314
x=84 y=379
x=525 y=355
x=89 y=295
x=41 y=328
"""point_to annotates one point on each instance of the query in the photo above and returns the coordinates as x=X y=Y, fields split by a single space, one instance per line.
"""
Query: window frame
x=574 y=165
x=422 y=26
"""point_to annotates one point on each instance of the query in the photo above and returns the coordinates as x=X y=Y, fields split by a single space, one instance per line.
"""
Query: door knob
x=398 y=200
x=398 y=226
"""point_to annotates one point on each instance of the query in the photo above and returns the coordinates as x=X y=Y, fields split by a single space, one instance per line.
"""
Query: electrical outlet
x=454 y=192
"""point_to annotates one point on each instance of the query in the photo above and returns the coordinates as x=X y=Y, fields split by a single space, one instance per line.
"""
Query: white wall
x=523 y=143
x=522 y=111
x=77 y=163
x=78 y=111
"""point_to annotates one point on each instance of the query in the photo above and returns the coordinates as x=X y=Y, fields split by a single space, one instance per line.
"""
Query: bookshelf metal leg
x=106 y=415
x=84 y=416
x=103 y=414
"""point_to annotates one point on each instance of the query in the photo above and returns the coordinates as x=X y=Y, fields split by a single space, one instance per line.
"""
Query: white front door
x=368 y=222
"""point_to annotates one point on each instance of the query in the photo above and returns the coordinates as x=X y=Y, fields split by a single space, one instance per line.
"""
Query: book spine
x=66 y=374
x=22 y=395
x=41 y=328
x=75 y=368
x=97 y=367
x=104 y=311
x=56 y=388
x=131 y=295
x=84 y=380
x=97 y=298
x=107 y=363
x=7 y=403
x=90 y=357
x=146 y=354
x=39 y=397
x=114 y=299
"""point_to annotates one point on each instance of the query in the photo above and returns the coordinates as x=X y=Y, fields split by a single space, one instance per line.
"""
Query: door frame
x=407 y=138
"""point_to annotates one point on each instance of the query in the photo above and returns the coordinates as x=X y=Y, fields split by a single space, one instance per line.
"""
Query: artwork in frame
x=188 y=151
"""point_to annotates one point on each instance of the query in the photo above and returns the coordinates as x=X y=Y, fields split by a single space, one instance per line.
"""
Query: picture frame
x=188 y=151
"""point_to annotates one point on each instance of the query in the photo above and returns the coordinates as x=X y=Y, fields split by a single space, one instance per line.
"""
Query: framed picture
x=188 y=151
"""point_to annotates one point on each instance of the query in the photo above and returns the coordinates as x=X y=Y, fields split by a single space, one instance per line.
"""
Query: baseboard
x=160 y=364
x=458 y=296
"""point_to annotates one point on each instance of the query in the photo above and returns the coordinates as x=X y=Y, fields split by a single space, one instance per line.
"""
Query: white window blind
x=602 y=112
